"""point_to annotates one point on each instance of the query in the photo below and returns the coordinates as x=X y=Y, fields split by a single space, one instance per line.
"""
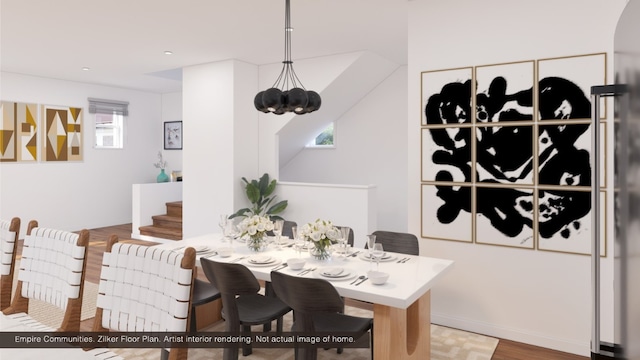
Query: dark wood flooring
x=506 y=350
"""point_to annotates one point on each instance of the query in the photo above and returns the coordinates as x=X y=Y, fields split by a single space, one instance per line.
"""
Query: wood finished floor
x=506 y=350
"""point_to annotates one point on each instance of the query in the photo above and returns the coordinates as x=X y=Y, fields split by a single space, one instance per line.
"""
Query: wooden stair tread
x=161 y=232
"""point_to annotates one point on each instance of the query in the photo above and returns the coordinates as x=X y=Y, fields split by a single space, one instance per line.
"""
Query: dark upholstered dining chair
x=317 y=307
x=403 y=243
x=350 y=238
x=286 y=228
x=242 y=305
x=203 y=293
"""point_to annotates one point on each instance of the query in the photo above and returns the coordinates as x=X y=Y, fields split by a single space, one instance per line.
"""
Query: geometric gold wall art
x=18 y=132
x=62 y=133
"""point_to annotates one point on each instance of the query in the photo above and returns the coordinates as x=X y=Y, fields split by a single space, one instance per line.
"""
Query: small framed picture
x=173 y=135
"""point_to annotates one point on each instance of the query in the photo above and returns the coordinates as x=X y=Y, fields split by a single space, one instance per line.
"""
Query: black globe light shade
x=287 y=93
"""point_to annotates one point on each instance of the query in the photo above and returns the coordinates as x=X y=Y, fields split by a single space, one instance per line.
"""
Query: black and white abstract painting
x=564 y=221
x=564 y=86
x=446 y=154
x=505 y=92
x=446 y=212
x=504 y=216
x=504 y=154
x=503 y=170
x=446 y=96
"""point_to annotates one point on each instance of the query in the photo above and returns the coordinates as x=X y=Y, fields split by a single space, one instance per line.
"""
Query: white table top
x=407 y=282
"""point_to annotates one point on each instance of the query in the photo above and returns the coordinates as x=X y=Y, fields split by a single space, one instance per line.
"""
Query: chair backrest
x=306 y=295
x=286 y=228
x=230 y=278
x=143 y=288
x=404 y=243
x=350 y=238
x=9 y=232
x=52 y=269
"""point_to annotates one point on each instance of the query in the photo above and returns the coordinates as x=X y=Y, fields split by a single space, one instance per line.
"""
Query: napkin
x=260 y=259
x=332 y=271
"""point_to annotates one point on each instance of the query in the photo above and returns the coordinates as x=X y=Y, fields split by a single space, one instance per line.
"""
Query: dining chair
x=52 y=269
x=286 y=228
x=350 y=238
x=145 y=289
x=317 y=307
x=398 y=242
x=9 y=231
x=203 y=293
x=242 y=305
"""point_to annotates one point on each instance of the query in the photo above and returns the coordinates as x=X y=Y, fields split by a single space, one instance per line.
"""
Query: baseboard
x=558 y=344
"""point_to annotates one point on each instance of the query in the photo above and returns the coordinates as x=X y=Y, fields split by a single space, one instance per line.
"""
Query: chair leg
x=371 y=330
x=246 y=348
x=279 y=325
x=268 y=291
x=164 y=354
x=193 y=327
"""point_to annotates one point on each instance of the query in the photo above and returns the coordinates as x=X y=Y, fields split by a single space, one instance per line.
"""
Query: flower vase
x=162 y=177
x=257 y=242
x=320 y=252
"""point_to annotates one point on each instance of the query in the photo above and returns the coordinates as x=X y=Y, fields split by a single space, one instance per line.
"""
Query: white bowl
x=296 y=263
x=225 y=251
x=378 y=277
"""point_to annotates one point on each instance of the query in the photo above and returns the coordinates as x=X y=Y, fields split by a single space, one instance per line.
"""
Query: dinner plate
x=334 y=273
x=201 y=248
x=385 y=257
x=262 y=260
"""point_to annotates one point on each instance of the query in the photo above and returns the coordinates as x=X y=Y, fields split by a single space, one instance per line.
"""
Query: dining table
x=401 y=306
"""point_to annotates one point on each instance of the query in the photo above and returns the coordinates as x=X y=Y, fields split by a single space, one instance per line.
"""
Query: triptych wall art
x=56 y=137
x=505 y=151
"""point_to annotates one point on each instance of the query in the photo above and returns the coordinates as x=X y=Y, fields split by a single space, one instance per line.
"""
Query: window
x=109 y=131
x=109 y=122
x=325 y=139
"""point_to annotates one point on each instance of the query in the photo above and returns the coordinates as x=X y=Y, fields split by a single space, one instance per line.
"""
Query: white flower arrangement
x=322 y=233
x=161 y=164
x=255 y=227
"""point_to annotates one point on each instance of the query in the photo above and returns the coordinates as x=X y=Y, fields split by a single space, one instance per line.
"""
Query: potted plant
x=260 y=195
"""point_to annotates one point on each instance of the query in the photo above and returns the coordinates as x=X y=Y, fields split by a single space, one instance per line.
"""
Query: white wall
x=371 y=149
x=535 y=297
x=172 y=111
x=92 y=193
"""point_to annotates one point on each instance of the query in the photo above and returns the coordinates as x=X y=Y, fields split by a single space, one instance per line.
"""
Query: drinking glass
x=277 y=230
x=377 y=253
x=344 y=231
x=231 y=231
x=224 y=221
x=371 y=240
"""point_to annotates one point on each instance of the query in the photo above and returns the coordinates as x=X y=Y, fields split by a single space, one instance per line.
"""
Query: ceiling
x=123 y=42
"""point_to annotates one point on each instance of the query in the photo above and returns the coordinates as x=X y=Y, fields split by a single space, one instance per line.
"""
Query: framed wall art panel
x=564 y=154
x=62 y=138
x=504 y=154
x=504 y=216
x=505 y=92
x=173 y=135
x=446 y=96
x=564 y=86
x=18 y=132
x=446 y=154
x=446 y=212
x=565 y=224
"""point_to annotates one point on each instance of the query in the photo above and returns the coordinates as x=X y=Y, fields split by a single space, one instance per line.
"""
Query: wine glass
x=377 y=253
x=344 y=232
x=298 y=243
x=371 y=240
x=277 y=230
x=231 y=231
x=224 y=221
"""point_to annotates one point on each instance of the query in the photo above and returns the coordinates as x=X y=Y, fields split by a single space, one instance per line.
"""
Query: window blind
x=103 y=106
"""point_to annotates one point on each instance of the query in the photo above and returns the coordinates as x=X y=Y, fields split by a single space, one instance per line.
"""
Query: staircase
x=168 y=226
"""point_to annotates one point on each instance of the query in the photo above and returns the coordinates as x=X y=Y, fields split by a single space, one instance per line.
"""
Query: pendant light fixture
x=287 y=94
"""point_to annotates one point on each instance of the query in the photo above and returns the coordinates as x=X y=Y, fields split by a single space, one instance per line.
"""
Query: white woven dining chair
x=9 y=231
x=52 y=269
x=145 y=289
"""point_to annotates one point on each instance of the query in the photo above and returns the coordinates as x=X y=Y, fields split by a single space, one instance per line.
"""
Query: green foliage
x=259 y=193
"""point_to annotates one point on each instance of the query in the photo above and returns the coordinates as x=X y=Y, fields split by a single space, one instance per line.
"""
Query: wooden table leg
x=403 y=333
